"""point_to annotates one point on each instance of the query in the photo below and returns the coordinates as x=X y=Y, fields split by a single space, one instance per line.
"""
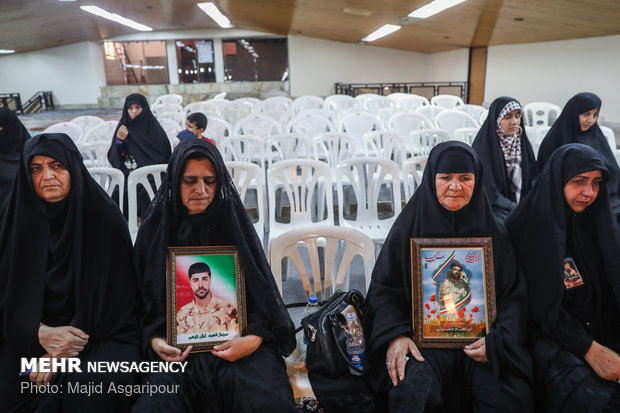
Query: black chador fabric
x=12 y=138
x=224 y=222
x=546 y=231
x=496 y=181
x=65 y=263
x=389 y=296
x=566 y=130
x=146 y=142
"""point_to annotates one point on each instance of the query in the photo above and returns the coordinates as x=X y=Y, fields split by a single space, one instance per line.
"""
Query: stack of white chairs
x=447 y=101
x=308 y=102
x=73 y=130
x=540 y=113
x=452 y=119
x=171 y=98
x=110 y=179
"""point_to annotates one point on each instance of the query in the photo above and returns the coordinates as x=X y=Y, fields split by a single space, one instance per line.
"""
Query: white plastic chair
x=110 y=179
x=310 y=123
x=483 y=116
x=357 y=123
x=386 y=145
x=337 y=103
x=308 y=102
x=244 y=148
x=287 y=146
x=466 y=135
x=217 y=129
x=101 y=132
x=339 y=244
x=374 y=103
x=166 y=107
x=87 y=122
x=140 y=177
x=249 y=177
x=451 y=119
x=171 y=98
x=172 y=129
x=386 y=113
x=95 y=154
x=540 y=113
x=425 y=139
x=303 y=182
x=617 y=155
x=178 y=117
x=275 y=103
x=333 y=147
x=412 y=171
x=218 y=106
x=71 y=129
x=367 y=177
x=610 y=136
x=258 y=125
x=430 y=111
x=411 y=102
x=196 y=107
x=283 y=117
x=406 y=122
x=447 y=101
x=475 y=111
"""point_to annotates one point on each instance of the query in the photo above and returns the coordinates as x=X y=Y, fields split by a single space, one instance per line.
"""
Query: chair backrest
x=178 y=117
x=172 y=128
x=171 y=98
x=249 y=180
x=617 y=155
x=275 y=103
x=100 y=132
x=483 y=116
x=338 y=245
x=430 y=111
x=540 y=113
x=258 y=125
x=244 y=148
x=386 y=113
x=386 y=145
x=406 y=122
x=374 y=103
x=287 y=146
x=95 y=154
x=302 y=182
x=466 y=135
x=166 y=107
x=308 y=102
x=452 y=119
x=310 y=123
x=283 y=117
x=73 y=130
x=475 y=111
x=333 y=147
x=217 y=129
x=610 y=136
x=447 y=101
x=215 y=105
x=336 y=103
x=368 y=177
x=110 y=179
x=425 y=139
x=412 y=102
x=196 y=107
x=412 y=171
x=87 y=122
x=357 y=123
x=141 y=177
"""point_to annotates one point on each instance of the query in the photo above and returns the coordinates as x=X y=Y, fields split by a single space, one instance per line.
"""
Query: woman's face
x=581 y=190
x=198 y=185
x=454 y=190
x=587 y=119
x=510 y=122
x=134 y=110
x=50 y=178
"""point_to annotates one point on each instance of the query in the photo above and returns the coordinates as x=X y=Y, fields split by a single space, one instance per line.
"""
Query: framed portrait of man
x=453 y=291
x=205 y=297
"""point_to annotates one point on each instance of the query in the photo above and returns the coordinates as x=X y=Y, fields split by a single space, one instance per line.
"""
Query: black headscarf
x=389 y=296
x=64 y=263
x=224 y=222
x=147 y=141
x=545 y=231
x=496 y=181
x=12 y=138
x=566 y=129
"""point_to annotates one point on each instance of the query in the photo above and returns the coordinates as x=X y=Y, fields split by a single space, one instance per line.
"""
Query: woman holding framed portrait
x=492 y=373
x=197 y=205
x=565 y=242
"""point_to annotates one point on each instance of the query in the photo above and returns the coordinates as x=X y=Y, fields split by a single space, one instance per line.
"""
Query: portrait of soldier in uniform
x=455 y=291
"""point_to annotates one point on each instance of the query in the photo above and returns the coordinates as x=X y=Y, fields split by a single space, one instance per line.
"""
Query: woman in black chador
x=564 y=239
x=139 y=140
x=67 y=286
x=490 y=375
x=198 y=205
x=13 y=136
x=505 y=151
x=578 y=124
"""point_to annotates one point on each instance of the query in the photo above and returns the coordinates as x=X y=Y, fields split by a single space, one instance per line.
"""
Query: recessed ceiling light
x=434 y=7
x=383 y=31
x=213 y=12
x=115 y=17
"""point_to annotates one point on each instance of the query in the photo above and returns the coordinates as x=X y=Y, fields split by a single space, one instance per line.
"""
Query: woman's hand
x=238 y=347
x=396 y=357
x=39 y=378
x=122 y=132
x=477 y=350
x=167 y=352
x=63 y=341
x=604 y=361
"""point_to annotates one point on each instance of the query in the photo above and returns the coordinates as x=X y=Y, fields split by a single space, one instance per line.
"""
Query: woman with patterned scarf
x=507 y=155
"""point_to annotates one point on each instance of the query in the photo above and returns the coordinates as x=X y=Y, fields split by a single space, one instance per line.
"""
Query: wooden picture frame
x=453 y=291
x=208 y=307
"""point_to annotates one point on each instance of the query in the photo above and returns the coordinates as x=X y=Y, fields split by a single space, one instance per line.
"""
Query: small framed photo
x=453 y=290
x=205 y=297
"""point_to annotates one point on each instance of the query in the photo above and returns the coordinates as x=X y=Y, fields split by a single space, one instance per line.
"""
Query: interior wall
x=555 y=71
x=74 y=73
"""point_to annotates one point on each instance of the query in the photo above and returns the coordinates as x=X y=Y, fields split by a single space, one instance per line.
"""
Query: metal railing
x=13 y=101
x=426 y=89
x=39 y=102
